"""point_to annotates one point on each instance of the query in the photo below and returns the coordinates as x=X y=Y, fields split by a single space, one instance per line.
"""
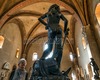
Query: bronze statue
x=54 y=31
x=46 y=67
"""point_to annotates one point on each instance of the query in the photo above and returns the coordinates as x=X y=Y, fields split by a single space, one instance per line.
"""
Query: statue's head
x=54 y=8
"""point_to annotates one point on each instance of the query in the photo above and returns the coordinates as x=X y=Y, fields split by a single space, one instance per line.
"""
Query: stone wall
x=12 y=42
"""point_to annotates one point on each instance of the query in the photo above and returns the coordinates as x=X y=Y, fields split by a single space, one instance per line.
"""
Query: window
x=78 y=53
x=1 y=41
x=45 y=46
x=17 y=53
x=71 y=56
x=97 y=12
x=35 y=56
x=84 y=42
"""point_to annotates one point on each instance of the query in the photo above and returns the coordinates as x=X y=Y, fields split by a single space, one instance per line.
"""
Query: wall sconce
x=1 y=41
x=78 y=52
x=17 y=53
x=84 y=42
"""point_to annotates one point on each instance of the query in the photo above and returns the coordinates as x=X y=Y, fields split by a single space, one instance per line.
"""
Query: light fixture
x=17 y=53
x=1 y=41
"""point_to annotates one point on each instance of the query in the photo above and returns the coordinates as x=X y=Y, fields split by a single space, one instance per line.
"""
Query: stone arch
x=21 y=28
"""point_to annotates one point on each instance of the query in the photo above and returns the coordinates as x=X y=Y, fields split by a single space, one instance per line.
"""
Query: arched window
x=45 y=46
x=17 y=53
x=78 y=52
x=1 y=41
x=84 y=42
x=71 y=56
x=35 y=56
x=97 y=12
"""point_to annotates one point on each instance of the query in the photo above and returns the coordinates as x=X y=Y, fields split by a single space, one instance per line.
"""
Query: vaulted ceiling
x=7 y=7
x=25 y=13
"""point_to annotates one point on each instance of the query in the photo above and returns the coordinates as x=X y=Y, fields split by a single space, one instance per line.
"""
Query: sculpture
x=54 y=31
x=95 y=68
x=51 y=66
